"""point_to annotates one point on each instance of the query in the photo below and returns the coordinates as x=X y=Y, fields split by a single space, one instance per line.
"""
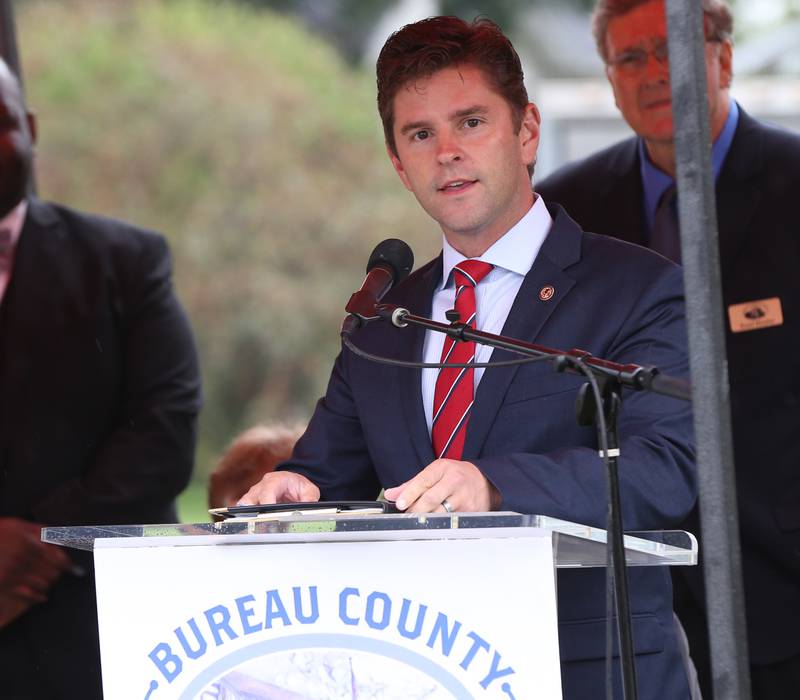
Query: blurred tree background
x=252 y=145
x=251 y=140
x=347 y=23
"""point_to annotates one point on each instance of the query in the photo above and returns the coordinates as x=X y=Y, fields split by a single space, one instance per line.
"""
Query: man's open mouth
x=456 y=185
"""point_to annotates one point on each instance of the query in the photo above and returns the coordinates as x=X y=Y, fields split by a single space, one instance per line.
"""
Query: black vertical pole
x=702 y=280
x=9 y=53
x=8 y=38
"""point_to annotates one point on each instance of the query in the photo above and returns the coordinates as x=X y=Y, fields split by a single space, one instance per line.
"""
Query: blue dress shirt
x=655 y=181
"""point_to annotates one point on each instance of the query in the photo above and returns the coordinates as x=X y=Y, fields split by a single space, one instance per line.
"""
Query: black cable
x=603 y=438
x=612 y=556
x=436 y=365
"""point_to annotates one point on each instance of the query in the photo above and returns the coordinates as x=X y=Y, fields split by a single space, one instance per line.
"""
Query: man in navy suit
x=99 y=394
x=462 y=136
x=756 y=169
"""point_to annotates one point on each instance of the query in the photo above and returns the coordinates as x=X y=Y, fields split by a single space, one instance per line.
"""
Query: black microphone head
x=396 y=254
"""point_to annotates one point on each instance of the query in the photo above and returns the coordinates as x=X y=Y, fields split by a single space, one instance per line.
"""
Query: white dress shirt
x=512 y=257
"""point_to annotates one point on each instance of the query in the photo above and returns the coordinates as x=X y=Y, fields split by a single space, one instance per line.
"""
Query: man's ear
x=398 y=167
x=30 y=117
x=529 y=132
x=726 y=64
x=611 y=83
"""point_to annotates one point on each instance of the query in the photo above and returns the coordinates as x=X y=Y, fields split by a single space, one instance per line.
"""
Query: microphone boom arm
x=631 y=376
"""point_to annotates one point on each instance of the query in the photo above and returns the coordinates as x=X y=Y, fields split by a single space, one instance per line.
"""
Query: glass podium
x=438 y=606
x=574 y=545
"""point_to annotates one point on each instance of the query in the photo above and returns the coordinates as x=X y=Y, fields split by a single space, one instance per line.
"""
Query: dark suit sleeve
x=656 y=467
x=333 y=452
x=145 y=459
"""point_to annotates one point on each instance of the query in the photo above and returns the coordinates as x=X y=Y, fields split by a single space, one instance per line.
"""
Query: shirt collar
x=515 y=251
x=655 y=181
x=13 y=221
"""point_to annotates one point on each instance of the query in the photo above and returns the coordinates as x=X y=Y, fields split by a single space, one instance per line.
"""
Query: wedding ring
x=446 y=505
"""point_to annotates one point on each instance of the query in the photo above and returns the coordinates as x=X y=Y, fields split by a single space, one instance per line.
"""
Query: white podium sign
x=391 y=620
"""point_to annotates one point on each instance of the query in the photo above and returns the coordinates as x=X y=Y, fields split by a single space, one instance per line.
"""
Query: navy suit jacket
x=615 y=300
x=758 y=213
x=99 y=395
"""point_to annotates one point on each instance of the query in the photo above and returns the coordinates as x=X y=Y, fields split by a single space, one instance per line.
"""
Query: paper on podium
x=283 y=511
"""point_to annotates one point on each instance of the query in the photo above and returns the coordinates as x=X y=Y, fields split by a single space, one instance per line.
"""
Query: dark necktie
x=454 y=393
x=666 y=236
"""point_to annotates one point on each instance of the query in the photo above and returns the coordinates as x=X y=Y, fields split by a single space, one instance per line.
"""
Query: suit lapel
x=26 y=301
x=737 y=189
x=418 y=302
x=620 y=196
x=527 y=317
x=38 y=277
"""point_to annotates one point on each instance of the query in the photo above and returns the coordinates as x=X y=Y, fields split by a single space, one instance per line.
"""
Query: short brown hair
x=716 y=14
x=421 y=49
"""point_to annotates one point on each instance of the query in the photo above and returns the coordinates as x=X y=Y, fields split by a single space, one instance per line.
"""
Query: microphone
x=390 y=263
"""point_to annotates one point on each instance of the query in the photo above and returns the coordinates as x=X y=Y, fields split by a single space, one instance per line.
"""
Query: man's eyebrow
x=458 y=114
x=468 y=111
x=413 y=126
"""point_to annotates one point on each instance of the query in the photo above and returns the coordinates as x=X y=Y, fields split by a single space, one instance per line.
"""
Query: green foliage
x=254 y=148
x=193 y=503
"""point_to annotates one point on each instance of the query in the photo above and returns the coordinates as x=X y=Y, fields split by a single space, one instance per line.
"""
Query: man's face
x=459 y=153
x=642 y=91
x=16 y=144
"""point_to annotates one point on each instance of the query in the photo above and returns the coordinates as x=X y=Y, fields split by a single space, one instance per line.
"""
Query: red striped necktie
x=455 y=387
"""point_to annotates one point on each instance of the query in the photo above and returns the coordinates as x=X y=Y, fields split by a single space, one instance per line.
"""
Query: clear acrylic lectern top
x=574 y=545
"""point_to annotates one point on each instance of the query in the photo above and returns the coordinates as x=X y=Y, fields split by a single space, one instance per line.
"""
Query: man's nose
x=449 y=149
x=657 y=67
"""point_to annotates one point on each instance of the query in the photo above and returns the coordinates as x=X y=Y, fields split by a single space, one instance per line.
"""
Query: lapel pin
x=546 y=293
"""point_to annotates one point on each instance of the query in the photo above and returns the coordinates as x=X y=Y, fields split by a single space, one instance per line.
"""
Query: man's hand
x=281 y=487
x=28 y=566
x=461 y=483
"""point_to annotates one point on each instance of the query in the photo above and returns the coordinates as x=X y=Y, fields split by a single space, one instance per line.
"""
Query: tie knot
x=471 y=272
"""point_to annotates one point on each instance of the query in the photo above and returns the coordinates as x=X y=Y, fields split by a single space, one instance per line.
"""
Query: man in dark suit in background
x=99 y=394
x=625 y=191
x=463 y=137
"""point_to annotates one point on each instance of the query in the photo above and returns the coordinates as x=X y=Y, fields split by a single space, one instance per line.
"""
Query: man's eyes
x=636 y=59
x=632 y=58
x=424 y=134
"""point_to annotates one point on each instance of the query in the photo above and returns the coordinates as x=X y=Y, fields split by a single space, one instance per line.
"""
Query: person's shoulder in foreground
x=756 y=167
x=101 y=391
